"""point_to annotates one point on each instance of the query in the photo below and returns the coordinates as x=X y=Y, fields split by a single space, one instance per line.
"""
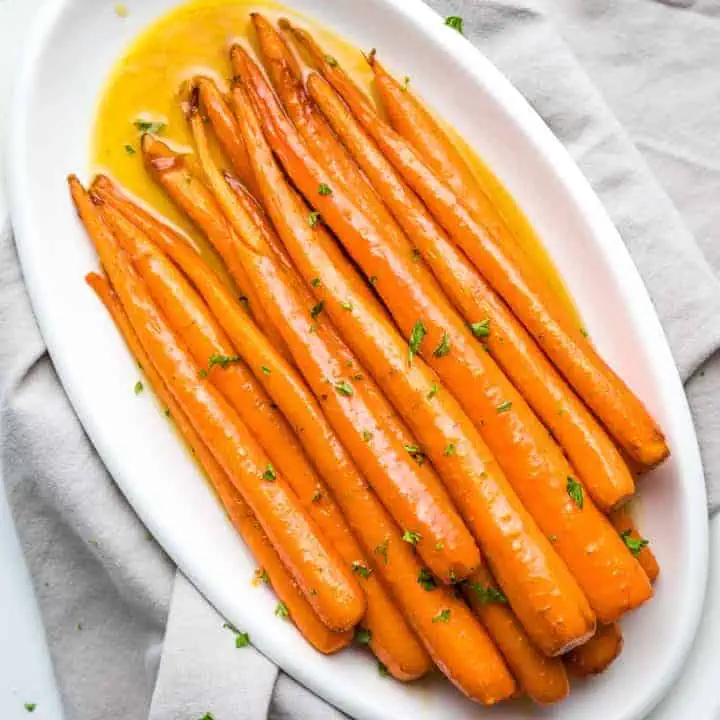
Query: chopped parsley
x=363 y=636
x=416 y=337
x=455 y=22
x=412 y=537
x=406 y=83
x=575 y=491
x=382 y=549
x=269 y=473
x=634 y=545
x=139 y=387
x=262 y=576
x=442 y=617
x=331 y=61
x=415 y=255
x=344 y=388
x=315 y=282
x=30 y=707
x=281 y=610
x=416 y=453
x=316 y=309
x=382 y=669
x=316 y=496
x=373 y=280
x=347 y=305
x=324 y=189
x=223 y=360
x=443 y=348
x=367 y=435
x=313 y=218
x=265 y=370
x=426 y=580
x=584 y=332
x=439 y=546
x=361 y=569
x=242 y=639
x=434 y=390
x=504 y=407
x=148 y=126
x=480 y=329
x=130 y=150
x=488 y=595
x=203 y=373
x=450 y=450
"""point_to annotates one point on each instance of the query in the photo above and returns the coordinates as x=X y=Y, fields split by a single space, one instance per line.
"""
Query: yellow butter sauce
x=147 y=85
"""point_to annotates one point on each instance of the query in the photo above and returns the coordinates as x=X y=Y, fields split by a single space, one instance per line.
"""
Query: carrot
x=225 y=127
x=514 y=278
x=459 y=645
x=597 y=654
x=543 y=679
x=415 y=123
x=586 y=443
x=608 y=574
x=541 y=590
x=625 y=525
x=329 y=587
x=189 y=316
x=303 y=616
x=170 y=171
x=311 y=124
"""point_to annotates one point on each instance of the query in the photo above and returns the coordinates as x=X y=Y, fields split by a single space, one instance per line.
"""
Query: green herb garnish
x=575 y=491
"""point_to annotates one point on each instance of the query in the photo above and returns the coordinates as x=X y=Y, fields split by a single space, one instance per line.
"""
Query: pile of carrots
x=421 y=447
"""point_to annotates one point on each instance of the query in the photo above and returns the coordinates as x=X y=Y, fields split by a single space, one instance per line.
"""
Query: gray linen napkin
x=128 y=634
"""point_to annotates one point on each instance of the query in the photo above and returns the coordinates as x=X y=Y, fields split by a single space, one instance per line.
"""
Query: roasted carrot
x=514 y=278
x=543 y=679
x=303 y=616
x=585 y=442
x=608 y=574
x=537 y=579
x=225 y=128
x=597 y=654
x=328 y=586
x=170 y=171
x=625 y=525
x=458 y=644
x=190 y=317
x=416 y=124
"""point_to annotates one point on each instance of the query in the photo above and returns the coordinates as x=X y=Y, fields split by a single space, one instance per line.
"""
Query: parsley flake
x=442 y=617
x=316 y=309
x=281 y=610
x=363 y=636
x=331 y=61
x=450 y=450
x=30 y=707
x=269 y=473
x=382 y=669
x=504 y=407
x=313 y=218
x=382 y=549
x=434 y=390
x=455 y=22
x=443 y=348
x=139 y=387
x=324 y=189
x=416 y=337
x=130 y=150
x=575 y=491
x=361 y=569
x=488 y=595
x=345 y=389
x=481 y=329
x=634 y=545
x=315 y=282
x=148 y=126
x=426 y=580
x=223 y=360
x=411 y=537
x=265 y=370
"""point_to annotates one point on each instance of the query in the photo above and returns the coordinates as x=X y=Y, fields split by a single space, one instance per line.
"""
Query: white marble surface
x=25 y=670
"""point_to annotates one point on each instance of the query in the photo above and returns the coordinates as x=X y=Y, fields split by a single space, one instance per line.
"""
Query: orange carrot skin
x=193 y=198
x=608 y=574
x=624 y=523
x=587 y=445
x=391 y=639
x=458 y=650
x=532 y=570
x=328 y=586
x=225 y=127
x=512 y=276
x=543 y=679
x=597 y=654
x=242 y=518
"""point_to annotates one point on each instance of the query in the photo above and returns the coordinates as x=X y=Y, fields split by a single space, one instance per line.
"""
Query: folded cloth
x=129 y=635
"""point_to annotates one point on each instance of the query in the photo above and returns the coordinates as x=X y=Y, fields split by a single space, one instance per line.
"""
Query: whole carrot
x=514 y=278
x=543 y=679
x=585 y=442
x=524 y=562
x=328 y=586
x=546 y=484
x=189 y=316
x=302 y=615
x=597 y=654
x=457 y=645
x=192 y=197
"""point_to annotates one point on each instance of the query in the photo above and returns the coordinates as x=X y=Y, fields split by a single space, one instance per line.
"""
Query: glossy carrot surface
x=327 y=585
x=586 y=443
x=239 y=514
x=597 y=654
x=449 y=440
